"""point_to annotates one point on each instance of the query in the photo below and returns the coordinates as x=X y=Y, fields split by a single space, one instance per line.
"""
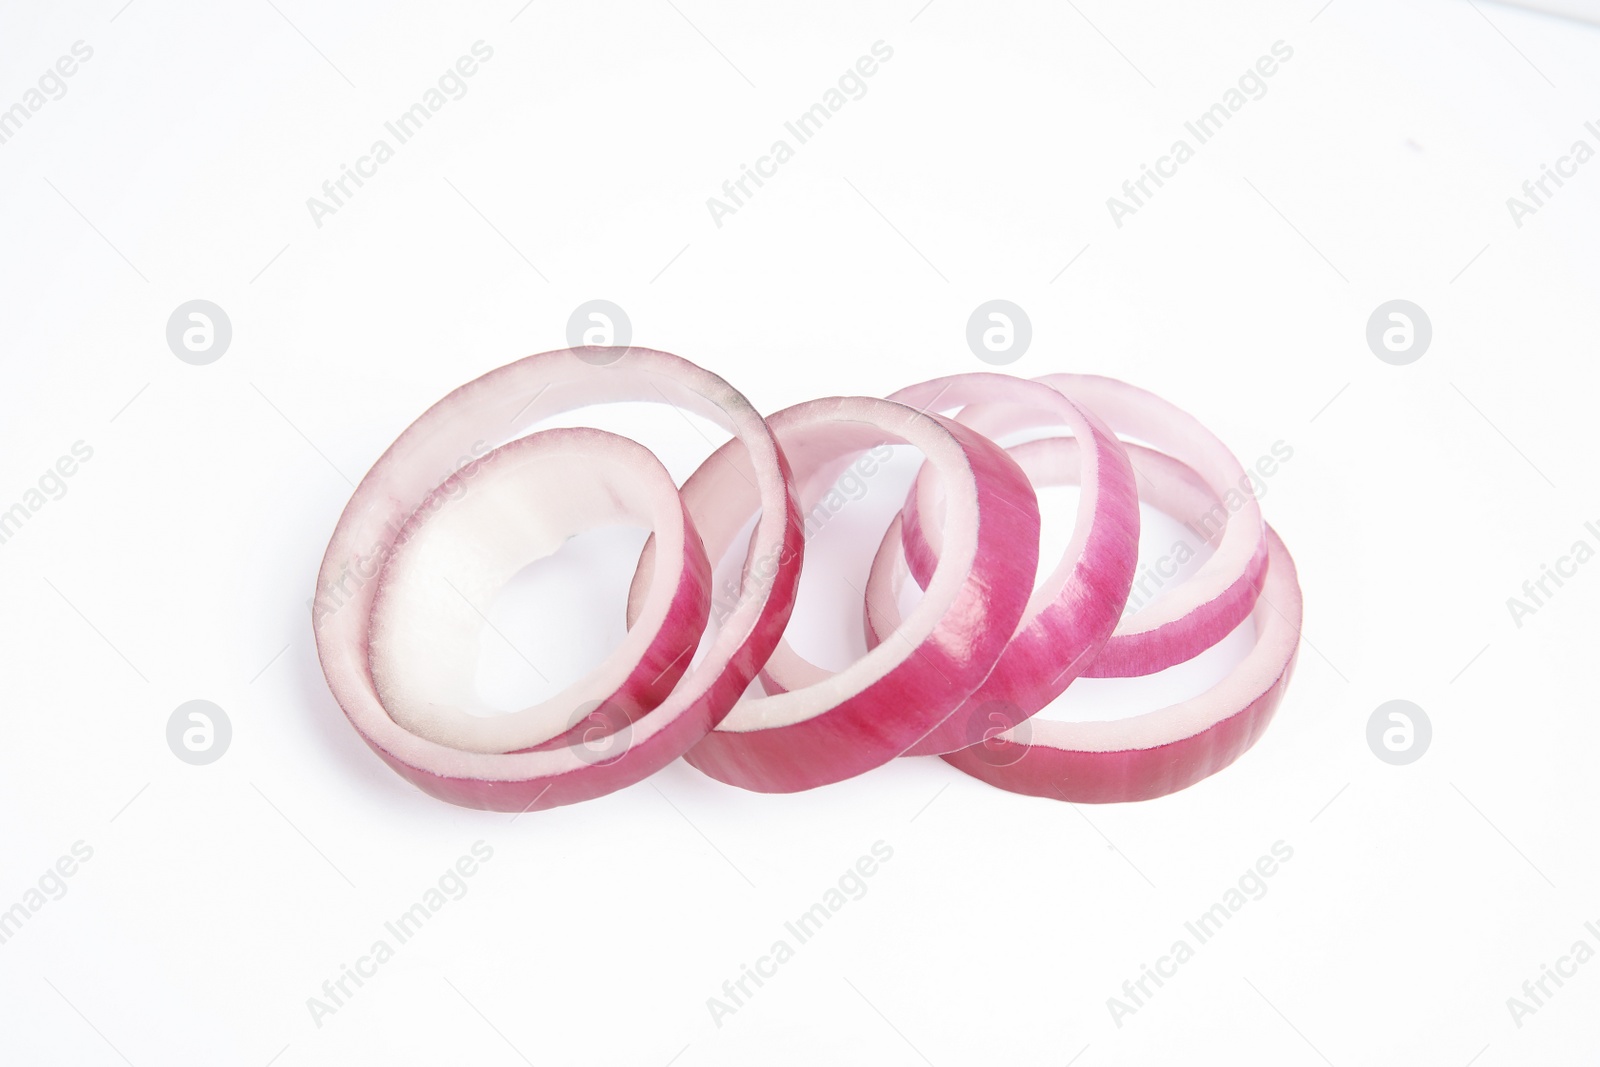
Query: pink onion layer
x=1162 y=751
x=1199 y=613
x=1074 y=609
x=501 y=404
x=841 y=724
x=482 y=526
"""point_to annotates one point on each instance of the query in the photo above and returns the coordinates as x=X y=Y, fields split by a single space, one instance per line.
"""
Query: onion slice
x=1196 y=615
x=1074 y=609
x=1159 y=752
x=469 y=538
x=500 y=405
x=842 y=724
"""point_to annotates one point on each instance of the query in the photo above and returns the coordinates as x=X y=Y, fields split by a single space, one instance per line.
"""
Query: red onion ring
x=958 y=676
x=514 y=397
x=460 y=547
x=840 y=725
x=1072 y=612
x=1162 y=751
x=1196 y=615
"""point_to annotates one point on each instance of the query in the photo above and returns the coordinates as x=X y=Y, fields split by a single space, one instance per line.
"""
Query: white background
x=179 y=563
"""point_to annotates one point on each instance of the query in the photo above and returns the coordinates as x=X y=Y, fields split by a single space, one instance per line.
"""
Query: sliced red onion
x=465 y=542
x=1211 y=603
x=841 y=724
x=1074 y=609
x=1162 y=751
x=499 y=406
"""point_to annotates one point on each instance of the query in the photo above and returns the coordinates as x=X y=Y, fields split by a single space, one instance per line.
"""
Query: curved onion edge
x=477 y=530
x=1075 y=609
x=515 y=397
x=1213 y=601
x=1162 y=751
x=845 y=723
x=979 y=609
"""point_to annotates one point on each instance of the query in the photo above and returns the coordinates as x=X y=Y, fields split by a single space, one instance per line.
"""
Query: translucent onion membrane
x=420 y=552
